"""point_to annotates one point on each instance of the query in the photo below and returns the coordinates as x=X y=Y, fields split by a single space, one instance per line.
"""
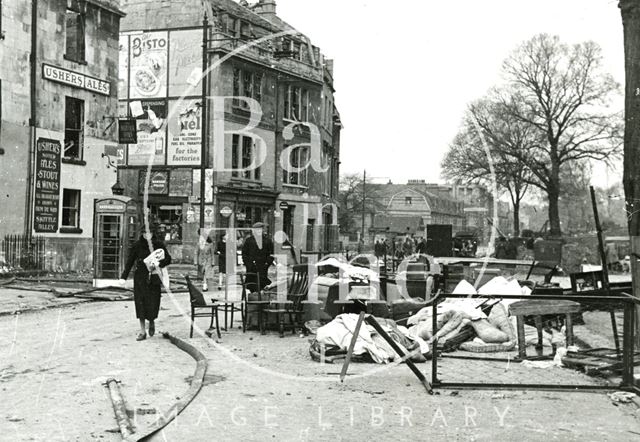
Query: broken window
x=74 y=36
x=73 y=128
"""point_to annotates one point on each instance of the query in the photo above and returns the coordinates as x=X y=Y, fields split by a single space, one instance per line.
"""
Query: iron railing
x=24 y=252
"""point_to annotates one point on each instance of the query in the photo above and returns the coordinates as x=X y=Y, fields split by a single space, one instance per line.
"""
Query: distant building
x=408 y=209
x=57 y=109
x=286 y=75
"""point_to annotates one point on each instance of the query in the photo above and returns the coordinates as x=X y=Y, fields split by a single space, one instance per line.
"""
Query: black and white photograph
x=313 y=220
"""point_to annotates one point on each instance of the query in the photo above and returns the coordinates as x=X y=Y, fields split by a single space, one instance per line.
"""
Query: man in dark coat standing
x=146 y=285
x=257 y=255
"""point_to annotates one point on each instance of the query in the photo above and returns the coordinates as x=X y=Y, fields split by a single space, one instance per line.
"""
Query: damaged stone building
x=58 y=85
x=253 y=56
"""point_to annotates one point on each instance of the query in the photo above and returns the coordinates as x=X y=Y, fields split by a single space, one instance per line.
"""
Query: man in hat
x=257 y=255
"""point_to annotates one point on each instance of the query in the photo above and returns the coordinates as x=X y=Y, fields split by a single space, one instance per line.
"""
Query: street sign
x=284 y=205
x=127 y=131
x=226 y=211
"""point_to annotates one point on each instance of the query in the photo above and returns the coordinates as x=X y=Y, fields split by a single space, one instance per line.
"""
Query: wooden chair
x=251 y=289
x=237 y=305
x=198 y=303
x=293 y=306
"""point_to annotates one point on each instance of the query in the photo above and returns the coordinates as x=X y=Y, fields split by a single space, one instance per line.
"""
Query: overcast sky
x=406 y=69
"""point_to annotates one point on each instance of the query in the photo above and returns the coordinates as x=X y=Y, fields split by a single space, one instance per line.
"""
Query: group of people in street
x=401 y=248
x=149 y=257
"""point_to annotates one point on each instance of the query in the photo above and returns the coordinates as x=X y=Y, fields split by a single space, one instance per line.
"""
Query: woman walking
x=146 y=281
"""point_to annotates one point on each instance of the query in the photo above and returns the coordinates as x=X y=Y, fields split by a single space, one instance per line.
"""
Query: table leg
x=569 y=329
x=539 y=345
x=522 y=349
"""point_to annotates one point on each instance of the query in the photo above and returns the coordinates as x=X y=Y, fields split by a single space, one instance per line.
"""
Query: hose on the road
x=194 y=388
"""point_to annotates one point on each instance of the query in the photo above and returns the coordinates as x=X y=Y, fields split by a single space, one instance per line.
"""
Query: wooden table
x=539 y=308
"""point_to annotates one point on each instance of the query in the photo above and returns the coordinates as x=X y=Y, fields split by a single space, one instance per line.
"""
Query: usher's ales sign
x=47 y=182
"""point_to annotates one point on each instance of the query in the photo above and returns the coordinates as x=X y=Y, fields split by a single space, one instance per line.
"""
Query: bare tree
x=562 y=91
x=488 y=145
x=350 y=202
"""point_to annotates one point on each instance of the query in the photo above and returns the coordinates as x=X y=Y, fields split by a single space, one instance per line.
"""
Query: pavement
x=55 y=360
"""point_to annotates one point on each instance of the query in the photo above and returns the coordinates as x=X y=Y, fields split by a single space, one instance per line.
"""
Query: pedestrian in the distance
x=147 y=283
x=257 y=255
x=221 y=251
x=204 y=258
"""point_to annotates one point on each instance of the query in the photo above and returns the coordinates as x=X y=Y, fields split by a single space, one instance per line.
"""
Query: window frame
x=65 y=208
x=243 y=78
x=79 y=129
x=239 y=145
x=301 y=156
x=80 y=55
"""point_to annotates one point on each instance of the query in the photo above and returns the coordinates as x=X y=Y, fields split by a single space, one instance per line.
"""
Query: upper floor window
x=408 y=201
x=246 y=84
x=296 y=104
x=244 y=153
x=299 y=158
x=73 y=128
x=74 y=29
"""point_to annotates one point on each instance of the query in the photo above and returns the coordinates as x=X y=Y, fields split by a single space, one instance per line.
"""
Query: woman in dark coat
x=221 y=251
x=146 y=286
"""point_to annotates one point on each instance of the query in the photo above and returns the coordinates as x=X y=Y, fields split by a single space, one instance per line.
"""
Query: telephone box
x=114 y=231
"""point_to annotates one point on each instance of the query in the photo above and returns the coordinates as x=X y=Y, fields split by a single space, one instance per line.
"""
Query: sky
x=405 y=70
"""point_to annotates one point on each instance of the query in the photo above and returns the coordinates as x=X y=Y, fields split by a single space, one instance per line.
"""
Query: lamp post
x=203 y=116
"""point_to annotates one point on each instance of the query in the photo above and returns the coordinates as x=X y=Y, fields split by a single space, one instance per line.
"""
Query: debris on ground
x=621 y=397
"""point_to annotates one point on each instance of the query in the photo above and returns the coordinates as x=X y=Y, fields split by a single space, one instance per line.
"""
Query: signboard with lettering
x=47 y=185
x=185 y=57
x=151 y=138
x=75 y=79
x=148 y=65
x=185 y=133
x=158 y=182
x=180 y=182
x=127 y=131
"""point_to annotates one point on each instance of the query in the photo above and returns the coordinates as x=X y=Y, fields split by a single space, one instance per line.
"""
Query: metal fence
x=23 y=251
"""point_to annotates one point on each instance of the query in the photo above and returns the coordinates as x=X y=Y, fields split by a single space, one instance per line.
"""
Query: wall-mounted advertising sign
x=75 y=79
x=185 y=133
x=148 y=65
x=47 y=185
x=127 y=131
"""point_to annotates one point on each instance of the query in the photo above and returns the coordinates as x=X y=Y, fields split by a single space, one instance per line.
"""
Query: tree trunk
x=516 y=219
x=631 y=24
x=554 y=214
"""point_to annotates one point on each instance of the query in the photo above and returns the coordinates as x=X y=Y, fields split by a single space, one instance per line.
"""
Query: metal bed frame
x=628 y=381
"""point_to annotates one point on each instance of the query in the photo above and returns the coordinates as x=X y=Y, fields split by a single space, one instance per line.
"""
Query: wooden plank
x=371 y=320
x=352 y=344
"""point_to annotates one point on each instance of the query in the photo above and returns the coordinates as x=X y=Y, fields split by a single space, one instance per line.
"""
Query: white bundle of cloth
x=339 y=332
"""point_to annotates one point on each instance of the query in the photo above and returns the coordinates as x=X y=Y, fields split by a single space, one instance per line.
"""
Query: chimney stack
x=266 y=8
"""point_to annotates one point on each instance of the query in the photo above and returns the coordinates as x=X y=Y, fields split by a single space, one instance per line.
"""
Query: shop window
x=299 y=158
x=71 y=208
x=170 y=219
x=73 y=128
x=243 y=154
x=74 y=49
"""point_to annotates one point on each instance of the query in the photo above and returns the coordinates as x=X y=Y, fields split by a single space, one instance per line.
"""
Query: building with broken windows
x=271 y=130
x=58 y=85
